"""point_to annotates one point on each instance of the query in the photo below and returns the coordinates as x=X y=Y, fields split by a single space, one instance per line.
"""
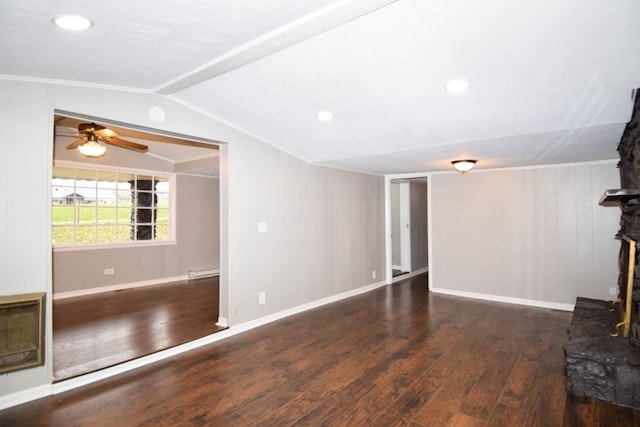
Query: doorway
x=407 y=222
x=96 y=271
x=400 y=227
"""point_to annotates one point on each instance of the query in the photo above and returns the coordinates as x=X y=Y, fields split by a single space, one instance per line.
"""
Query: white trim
x=387 y=213
x=197 y=174
x=161 y=157
x=240 y=129
x=509 y=300
x=119 y=245
x=388 y=250
x=409 y=175
x=405 y=226
x=396 y=267
x=24 y=396
x=81 y=165
x=119 y=287
x=73 y=83
x=213 y=148
x=304 y=307
x=324 y=164
x=290 y=34
x=216 y=153
x=72 y=383
x=223 y=322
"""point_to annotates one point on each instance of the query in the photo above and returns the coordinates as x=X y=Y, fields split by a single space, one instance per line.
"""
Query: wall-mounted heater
x=21 y=331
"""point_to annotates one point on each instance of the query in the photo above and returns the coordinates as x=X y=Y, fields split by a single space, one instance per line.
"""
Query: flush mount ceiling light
x=92 y=148
x=463 y=166
x=325 y=116
x=457 y=86
x=72 y=22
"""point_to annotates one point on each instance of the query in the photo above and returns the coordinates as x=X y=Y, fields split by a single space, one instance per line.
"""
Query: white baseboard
x=72 y=383
x=304 y=307
x=510 y=300
x=25 y=396
x=111 y=288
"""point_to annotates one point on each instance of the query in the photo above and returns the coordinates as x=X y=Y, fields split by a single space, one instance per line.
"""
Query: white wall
x=535 y=234
x=325 y=227
x=325 y=230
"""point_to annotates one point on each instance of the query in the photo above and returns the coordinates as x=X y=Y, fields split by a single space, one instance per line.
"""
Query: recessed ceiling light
x=325 y=116
x=457 y=86
x=72 y=22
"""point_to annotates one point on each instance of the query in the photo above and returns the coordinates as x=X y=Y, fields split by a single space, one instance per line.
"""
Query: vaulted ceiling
x=550 y=81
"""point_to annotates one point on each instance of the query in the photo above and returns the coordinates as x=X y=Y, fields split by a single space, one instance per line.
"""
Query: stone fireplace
x=629 y=165
x=603 y=352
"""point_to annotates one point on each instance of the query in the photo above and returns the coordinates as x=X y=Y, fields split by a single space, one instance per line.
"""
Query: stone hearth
x=598 y=365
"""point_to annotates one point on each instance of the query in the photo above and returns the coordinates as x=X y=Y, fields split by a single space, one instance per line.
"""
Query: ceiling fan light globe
x=92 y=149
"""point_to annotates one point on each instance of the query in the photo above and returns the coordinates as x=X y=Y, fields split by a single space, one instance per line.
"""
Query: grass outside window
x=97 y=206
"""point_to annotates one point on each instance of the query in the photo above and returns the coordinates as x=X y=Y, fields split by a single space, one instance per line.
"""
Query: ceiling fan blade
x=106 y=133
x=76 y=143
x=125 y=144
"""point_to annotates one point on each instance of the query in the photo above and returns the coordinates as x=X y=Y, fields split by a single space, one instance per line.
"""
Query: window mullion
x=76 y=222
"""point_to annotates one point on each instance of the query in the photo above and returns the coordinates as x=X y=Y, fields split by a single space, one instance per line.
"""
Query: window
x=98 y=206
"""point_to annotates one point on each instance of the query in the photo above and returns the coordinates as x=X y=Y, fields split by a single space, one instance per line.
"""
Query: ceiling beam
x=309 y=26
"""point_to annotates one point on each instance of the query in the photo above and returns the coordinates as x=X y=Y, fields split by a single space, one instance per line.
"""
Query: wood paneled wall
x=533 y=233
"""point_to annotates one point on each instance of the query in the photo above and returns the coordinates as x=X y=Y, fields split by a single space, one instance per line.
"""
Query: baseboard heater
x=199 y=274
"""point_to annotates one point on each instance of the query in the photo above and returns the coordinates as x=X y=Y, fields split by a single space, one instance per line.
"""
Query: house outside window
x=102 y=206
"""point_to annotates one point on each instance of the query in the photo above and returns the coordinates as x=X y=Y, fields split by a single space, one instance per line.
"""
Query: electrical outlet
x=109 y=271
x=613 y=291
x=374 y=274
x=262 y=297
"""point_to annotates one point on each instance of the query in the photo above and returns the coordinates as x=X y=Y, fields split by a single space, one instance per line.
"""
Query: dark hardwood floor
x=97 y=331
x=394 y=356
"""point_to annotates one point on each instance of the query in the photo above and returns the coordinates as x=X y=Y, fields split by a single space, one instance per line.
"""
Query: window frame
x=171 y=178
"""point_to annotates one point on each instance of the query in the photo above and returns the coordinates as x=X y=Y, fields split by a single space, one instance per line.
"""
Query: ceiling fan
x=92 y=134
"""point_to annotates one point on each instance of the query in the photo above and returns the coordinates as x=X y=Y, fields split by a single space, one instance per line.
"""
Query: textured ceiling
x=550 y=81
